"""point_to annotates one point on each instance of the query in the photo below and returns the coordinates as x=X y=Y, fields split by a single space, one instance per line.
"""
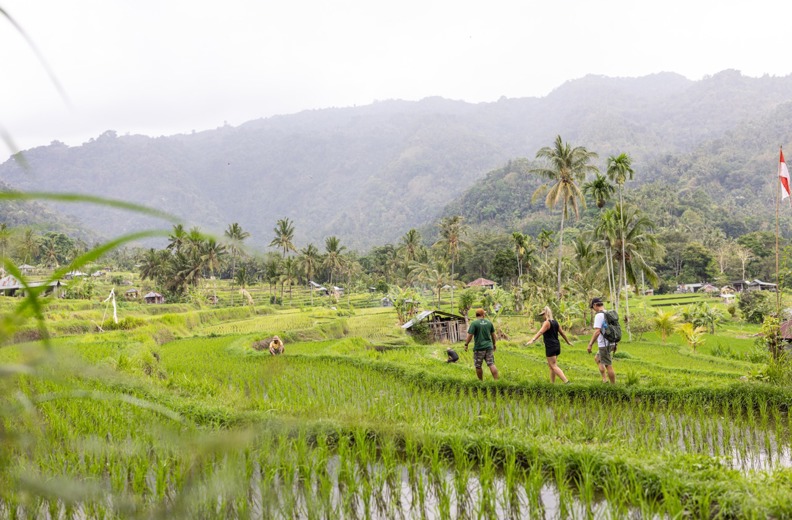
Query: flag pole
x=777 y=196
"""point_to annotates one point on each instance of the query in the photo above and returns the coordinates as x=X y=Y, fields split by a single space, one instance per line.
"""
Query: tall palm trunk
x=452 y=285
x=609 y=269
x=624 y=267
x=560 y=251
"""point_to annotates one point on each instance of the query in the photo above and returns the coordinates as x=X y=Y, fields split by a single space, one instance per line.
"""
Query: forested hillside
x=367 y=174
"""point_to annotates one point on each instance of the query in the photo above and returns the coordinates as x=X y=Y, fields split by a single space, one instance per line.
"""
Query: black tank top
x=551 y=337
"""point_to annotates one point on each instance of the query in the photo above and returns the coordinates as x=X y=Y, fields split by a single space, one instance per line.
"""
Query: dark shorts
x=604 y=356
x=552 y=351
x=480 y=356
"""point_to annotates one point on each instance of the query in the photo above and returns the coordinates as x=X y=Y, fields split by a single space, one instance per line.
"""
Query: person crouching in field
x=276 y=346
x=483 y=332
x=550 y=330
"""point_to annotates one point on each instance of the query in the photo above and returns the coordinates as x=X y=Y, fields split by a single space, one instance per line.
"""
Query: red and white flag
x=783 y=176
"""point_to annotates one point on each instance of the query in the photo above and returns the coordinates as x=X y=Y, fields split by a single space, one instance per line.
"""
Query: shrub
x=421 y=333
x=754 y=306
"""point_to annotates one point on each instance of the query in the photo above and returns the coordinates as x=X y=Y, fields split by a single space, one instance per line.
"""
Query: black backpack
x=611 y=330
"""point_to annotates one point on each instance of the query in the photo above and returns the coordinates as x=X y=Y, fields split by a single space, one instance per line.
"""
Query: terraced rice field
x=180 y=417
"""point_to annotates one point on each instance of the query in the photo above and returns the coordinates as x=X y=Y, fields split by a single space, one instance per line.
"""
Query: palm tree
x=236 y=236
x=606 y=231
x=5 y=237
x=619 y=170
x=49 y=245
x=243 y=277
x=545 y=240
x=309 y=260
x=587 y=270
x=353 y=270
x=177 y=239
x=664 y=322
x=334 y=259
x=638 y=243
x=567 y=166
x=288 y=274
x=29 y=245
x=521 y=244
x=452 y=233
x=600 y=190
x=284 y=236
x=692 y=334
x=211 y=252
x=154 y=265
x=410 y=246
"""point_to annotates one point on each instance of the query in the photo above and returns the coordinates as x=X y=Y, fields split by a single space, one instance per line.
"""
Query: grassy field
x=171 y=413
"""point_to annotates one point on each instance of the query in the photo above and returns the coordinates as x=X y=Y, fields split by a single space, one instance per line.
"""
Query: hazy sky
x=160 y=67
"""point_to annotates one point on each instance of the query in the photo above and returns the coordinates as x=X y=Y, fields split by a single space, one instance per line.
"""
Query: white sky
x=160 y=67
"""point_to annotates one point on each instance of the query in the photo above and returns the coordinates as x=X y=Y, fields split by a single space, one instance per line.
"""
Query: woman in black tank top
x=550 y=331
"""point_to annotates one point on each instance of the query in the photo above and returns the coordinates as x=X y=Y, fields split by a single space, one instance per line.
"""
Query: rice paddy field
x=172 y=414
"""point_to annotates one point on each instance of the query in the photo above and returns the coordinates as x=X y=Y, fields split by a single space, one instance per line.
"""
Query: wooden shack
x=154 y=297
x=442 y=325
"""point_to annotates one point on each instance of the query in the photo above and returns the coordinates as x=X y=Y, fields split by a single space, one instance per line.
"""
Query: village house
x=482 y=282
x=10 y=286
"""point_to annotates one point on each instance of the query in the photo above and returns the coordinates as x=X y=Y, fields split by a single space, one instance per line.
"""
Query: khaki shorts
x=480 y=356
x=604 y=356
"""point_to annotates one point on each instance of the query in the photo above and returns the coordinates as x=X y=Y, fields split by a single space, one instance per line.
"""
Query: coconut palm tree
x=566 y=166
x=211 y=253
x=177 y=239
x=284 y=236
x=334 y=256
x=152 y=265
x=606 y=232
x=452 y=234
x=410 y=247
x=49 y=246
x=639 y=246
x=29 y=245
x=619 y=171
x=236 y=236
x=309 y=260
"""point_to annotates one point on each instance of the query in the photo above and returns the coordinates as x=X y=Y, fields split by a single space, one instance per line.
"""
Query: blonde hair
x=548 y=314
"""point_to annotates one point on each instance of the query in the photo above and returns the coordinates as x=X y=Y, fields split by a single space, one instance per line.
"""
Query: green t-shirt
x=482 y=330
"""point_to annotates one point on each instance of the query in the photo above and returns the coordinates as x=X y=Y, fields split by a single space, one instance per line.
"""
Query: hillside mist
x=367 y=174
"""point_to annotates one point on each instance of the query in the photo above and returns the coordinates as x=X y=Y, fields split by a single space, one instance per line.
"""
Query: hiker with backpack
x=550 y=330
x=607 y=334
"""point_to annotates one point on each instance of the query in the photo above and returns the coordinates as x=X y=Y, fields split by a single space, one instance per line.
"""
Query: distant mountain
x=727 y=184
x=367 y=174
x=34 y=214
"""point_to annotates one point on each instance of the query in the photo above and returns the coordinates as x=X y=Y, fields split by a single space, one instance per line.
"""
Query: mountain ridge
x=368 y=174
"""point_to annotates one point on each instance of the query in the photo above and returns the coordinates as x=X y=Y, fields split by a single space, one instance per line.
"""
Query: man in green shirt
x=483 y=331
